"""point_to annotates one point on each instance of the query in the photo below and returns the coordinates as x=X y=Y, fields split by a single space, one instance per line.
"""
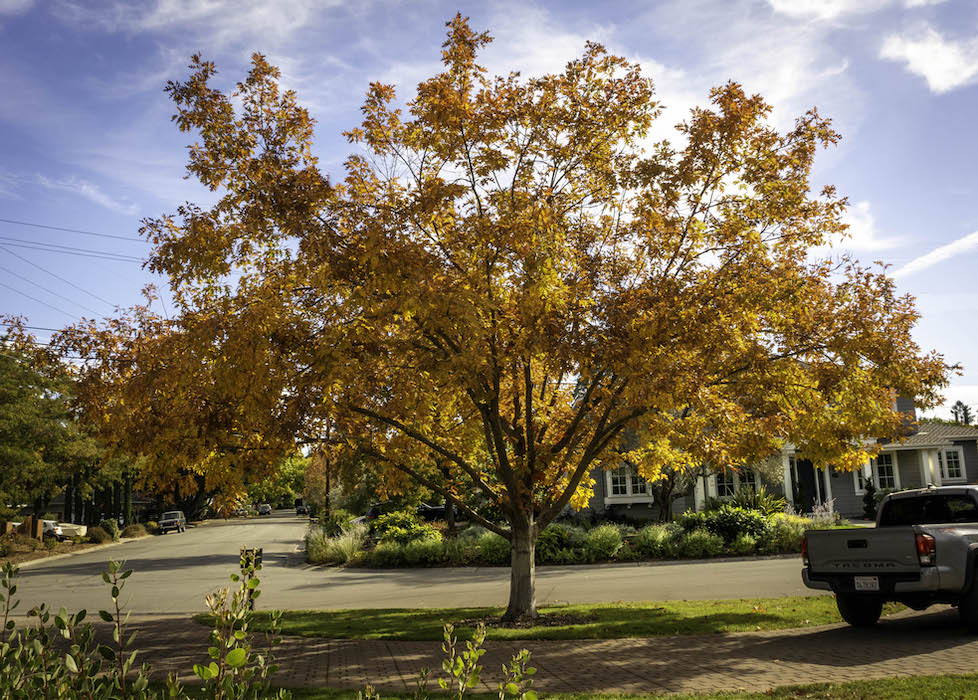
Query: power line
x=14 y=289
x=42 y=287
x=84 y=252
x=56 y=276
x=74 y=230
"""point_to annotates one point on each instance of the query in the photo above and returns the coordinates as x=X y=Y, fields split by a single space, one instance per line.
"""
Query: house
x=932 y=453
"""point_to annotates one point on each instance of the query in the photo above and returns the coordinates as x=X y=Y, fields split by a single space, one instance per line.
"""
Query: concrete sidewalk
x=908 y=644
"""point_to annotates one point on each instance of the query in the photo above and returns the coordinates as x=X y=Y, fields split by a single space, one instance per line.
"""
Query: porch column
x=789 y=485
x=699 y=494
x=827 y=478
x=930 y=457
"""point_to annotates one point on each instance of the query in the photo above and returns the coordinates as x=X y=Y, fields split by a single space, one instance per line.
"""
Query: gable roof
x=934 y=434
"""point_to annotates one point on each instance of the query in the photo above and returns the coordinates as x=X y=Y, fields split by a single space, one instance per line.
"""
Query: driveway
x=174 y=572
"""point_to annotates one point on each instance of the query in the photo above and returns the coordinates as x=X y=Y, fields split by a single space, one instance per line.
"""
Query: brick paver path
x=905 y=645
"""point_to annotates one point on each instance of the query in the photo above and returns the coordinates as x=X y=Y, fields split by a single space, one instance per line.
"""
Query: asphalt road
x=174 y=572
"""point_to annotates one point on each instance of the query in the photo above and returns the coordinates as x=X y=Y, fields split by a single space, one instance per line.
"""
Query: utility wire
x=42 y=287
x=14 y=289
x=68 y=247
x=56 y=276
x=74 y=230
x=83 y=252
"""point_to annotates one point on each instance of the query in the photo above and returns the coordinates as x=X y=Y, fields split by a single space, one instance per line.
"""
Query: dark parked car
x=301 y=510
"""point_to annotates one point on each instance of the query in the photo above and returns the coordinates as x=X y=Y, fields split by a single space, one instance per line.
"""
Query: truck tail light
x=926 y=550
x=804 y=551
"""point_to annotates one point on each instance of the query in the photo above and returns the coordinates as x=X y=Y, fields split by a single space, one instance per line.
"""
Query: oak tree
x=506 y=280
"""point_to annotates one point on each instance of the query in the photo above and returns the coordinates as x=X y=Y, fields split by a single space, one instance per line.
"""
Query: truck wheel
x=859 y=610
x=968 y=610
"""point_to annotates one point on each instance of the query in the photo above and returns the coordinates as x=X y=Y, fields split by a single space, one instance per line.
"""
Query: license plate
x=867 y=583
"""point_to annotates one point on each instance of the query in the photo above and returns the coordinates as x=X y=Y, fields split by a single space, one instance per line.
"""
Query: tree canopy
x=507 y=288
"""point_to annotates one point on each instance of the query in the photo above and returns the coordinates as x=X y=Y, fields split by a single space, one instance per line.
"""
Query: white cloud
x=944 y=63
x=223 y=22
x=863 y=235
x=15 y=7
x=827 y=9
x=89 y=191
x=939 y=255
x=922 y=3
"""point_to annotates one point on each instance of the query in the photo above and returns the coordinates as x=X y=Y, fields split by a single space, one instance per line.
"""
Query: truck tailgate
x=890 y=550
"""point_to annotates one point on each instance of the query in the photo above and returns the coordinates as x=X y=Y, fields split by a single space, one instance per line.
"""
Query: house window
x=625 y=484
x=619 y=481
x=882 y=472
x=885 y=473
x=726 y=484
x=951 y=464
x=748 y=480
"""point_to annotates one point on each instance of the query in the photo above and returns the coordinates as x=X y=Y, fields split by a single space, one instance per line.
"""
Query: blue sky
x=87 y=143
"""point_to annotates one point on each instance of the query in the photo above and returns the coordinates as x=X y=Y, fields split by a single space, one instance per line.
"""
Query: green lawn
x=603 y=621
x=915 y=688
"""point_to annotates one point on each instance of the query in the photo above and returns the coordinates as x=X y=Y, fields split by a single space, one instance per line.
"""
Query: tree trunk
x=450 y=515
x=522 y=575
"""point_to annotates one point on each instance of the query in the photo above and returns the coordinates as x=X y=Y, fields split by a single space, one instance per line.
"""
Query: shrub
x=50 y=543
x=334 y=523
x=427 y=552
x=494 y=550
x=387 y=555
x=869 y=501
x=743 y=545
x=346 y=547
x=98 y=535
x=317 y=547
x=6 y=548
x=784 y=535
x=760 y=500
x=727 y=521
x=134 y=530
x=658 y=541
x=691 y=520
x=152 y=525
x=403 y=527
x=700 y=544
x=602 y=543
x=557 y=543
x=460 y=552
x=628 y=552
x=111 y=526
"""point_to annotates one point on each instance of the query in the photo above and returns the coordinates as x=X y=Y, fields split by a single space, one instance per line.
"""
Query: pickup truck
x=923 y=550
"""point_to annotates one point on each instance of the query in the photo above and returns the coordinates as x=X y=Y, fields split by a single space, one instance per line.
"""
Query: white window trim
x=943 y=466
x=712 y=491
x=869 y=472
x=630 y=497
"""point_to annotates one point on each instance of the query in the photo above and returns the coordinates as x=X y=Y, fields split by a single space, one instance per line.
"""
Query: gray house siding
x=909 y=464
x=970 y=449
x=905 y=405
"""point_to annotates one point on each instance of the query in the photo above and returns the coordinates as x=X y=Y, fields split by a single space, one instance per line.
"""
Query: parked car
x=173 y=520
x=301 y=510
x=264 y=509
x=49 y=528
x=922 y=552
x=53 y=529
x=71 y=530
x=374 y=512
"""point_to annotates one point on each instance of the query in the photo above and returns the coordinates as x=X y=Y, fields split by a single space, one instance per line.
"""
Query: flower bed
x=724 y=531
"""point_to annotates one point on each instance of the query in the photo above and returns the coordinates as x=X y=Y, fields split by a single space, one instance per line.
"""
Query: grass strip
x=950 y=687
x=591 y=621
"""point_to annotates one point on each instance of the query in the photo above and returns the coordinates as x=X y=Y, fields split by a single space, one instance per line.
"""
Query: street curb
x=32 y=562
